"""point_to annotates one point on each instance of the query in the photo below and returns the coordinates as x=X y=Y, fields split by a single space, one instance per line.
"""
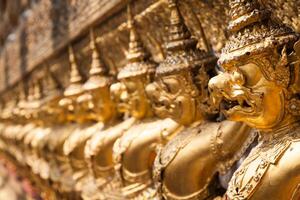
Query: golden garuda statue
x=180 y=92
x=135 y=150
x=161 y=100
x=260 y=86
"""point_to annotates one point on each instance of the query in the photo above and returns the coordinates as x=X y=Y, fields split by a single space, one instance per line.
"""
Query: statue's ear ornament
x=282 y=71
x=294 y=61
x=293 y=105
x=138 y=63
x=297 y=48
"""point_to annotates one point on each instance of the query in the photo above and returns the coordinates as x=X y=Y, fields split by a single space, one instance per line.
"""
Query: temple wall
x=45 y=28
x=35 y=36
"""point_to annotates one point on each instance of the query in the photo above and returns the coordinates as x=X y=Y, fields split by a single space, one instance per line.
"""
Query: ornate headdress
x=182 y=53
x=22 y=97
x=137 y=58
x=52 y=85
x=38 y=90
x=52 y=88
x=253 y=31
x=98 y=75
x=21 y=100
x=37 y=95
x=75 y=86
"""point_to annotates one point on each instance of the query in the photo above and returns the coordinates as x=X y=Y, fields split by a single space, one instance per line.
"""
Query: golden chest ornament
x=96 y=143
x=167 y=128
x=259 y=160
x=166 y=154
x=122 y=144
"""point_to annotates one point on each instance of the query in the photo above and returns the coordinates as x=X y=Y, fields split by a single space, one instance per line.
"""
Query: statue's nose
x=151 y=90
x=218 y=82
x=83 y=100
x=217 y=85
x=124 y=96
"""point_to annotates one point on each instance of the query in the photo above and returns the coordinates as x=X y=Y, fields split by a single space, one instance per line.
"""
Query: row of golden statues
x=181 y=129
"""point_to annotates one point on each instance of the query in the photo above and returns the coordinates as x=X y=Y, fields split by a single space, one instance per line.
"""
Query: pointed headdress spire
x=137 y=63
x=22 y=96
x=136 y=51
x=98 y=74
x=38 y=90
x=179 y=35
x=52 y=83
x=252 y=31
x=182 y=53
x=75 y=86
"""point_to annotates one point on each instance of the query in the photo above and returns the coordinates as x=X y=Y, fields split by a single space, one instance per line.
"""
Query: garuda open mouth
x=238 y=104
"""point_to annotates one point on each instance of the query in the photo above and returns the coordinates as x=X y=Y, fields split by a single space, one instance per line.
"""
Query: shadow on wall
x=23 y=51
x=59 y=16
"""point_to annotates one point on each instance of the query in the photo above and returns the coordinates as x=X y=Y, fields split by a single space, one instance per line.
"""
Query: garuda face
x=77 y=110
x=97 y=104
x=68 y=108
x=102 y=105
x=173 y=96
x=254 y=90
x=129 y=95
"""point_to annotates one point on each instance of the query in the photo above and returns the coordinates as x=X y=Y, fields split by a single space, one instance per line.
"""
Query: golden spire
x=52 y=84
x=51 y=87
x=20 y=99
x=35 y=95
x=98 y=73
x=37 y=91
x=244 y=13
x=137 y=63
x=75 y=86
x=182 y=53
x=30 y=96
x=97 y=67
x=252 y=32
x=179 y=35
x=136 y=51
x=75 y=75
x=22 y=95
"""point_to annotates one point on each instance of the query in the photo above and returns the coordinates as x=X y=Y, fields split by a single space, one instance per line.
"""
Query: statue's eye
x=131 y=86
x=171 y=85
x=91 y=105
x=238 y=77
x=251 y=73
